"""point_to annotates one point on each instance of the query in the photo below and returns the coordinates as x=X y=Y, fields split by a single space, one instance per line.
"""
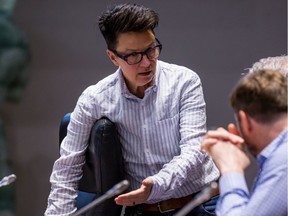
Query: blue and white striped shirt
x=269 y=191
x=160 y=136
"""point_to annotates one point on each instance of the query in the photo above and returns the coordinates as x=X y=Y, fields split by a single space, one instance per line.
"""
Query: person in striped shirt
x=159 y=110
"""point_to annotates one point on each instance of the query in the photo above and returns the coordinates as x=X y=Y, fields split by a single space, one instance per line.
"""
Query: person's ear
x=245 y=121
x=112 y=57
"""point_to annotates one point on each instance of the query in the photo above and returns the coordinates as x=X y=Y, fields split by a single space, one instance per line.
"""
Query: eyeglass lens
x=151 y=54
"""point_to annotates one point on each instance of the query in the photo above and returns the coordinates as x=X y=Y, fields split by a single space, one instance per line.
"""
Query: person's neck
x=139 y=91
x=268 y=132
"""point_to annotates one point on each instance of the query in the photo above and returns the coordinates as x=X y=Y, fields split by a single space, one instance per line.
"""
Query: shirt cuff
x=231 y=181
x=155 y=190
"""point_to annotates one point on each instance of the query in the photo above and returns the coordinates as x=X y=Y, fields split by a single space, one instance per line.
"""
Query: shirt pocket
x=166 y=136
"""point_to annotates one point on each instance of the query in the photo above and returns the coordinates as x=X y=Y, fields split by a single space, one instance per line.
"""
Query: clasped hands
x=226 y=148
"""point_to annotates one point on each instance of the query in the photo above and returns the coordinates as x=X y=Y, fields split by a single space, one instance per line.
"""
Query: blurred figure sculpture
x=14 y=61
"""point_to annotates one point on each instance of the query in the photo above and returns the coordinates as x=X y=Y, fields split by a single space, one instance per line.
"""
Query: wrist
x=224 y=171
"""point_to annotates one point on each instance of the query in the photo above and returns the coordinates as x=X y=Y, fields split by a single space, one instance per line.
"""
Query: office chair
x=103 y=168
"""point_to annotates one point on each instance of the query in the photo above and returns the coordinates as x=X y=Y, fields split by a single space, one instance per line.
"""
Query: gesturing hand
x=137 y=196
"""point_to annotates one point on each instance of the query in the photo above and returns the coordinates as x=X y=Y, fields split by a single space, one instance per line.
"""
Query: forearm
x=234 y=194
x=270 y=194
x=67 y=170
x=183 y=175
x=64 y=183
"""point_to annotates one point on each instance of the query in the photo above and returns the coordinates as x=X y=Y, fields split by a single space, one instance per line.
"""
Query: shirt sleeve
x=191 y=169
x=268 y=198
x=234 y=194
x=67 y=170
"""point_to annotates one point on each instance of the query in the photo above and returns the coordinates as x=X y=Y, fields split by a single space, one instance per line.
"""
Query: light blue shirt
x=269 y=192
x=160 y=135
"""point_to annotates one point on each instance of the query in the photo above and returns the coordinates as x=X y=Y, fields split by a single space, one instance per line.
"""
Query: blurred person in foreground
x=159 y=111
x=259 y=101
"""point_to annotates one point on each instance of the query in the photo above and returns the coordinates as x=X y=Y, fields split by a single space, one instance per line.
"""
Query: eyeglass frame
x=125 y=57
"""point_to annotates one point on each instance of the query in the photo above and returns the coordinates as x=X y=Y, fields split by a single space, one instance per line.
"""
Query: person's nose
x=145 y=62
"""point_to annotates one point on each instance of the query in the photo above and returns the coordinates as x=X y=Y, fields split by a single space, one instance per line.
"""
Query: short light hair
x=277 y=63
x=262 y=94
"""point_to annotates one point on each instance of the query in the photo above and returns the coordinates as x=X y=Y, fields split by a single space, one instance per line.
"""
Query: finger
x=235 y=139
x=233 y=129
x=219 y=133
x=125 y=200
x=227 y=135
x=223 y=134
x=207 y=143
x=130 y=194
x=222 y=130
x=148 y=182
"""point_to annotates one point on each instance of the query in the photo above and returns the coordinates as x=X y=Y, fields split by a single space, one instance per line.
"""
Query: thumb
x=148 y=182
x=233 y=129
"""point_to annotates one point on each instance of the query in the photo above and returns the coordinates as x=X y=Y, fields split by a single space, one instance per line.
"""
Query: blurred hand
x=233 y=129
x=228 y=157
x=137 y=196
x=213 y=136
x=226 y=149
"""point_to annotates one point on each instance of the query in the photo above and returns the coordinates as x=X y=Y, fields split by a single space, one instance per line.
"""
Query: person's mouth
x=145 y=73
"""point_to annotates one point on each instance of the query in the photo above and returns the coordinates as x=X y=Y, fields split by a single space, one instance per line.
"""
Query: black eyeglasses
x=152 y=53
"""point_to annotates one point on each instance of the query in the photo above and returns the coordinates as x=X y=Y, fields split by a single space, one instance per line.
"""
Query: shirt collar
x=268 y=150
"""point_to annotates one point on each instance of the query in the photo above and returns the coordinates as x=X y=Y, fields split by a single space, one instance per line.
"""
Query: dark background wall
x=217 y=39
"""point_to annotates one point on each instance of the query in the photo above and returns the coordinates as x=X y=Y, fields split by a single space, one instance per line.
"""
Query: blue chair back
x=103 y=168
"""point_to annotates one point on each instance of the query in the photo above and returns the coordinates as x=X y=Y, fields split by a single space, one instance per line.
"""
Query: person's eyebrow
x=133 y=50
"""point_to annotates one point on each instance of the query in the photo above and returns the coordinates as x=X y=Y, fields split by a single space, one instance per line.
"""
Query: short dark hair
x=262 y=94
x=126 y=18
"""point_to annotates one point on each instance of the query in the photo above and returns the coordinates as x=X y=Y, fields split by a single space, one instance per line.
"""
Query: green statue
x=14 y=61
